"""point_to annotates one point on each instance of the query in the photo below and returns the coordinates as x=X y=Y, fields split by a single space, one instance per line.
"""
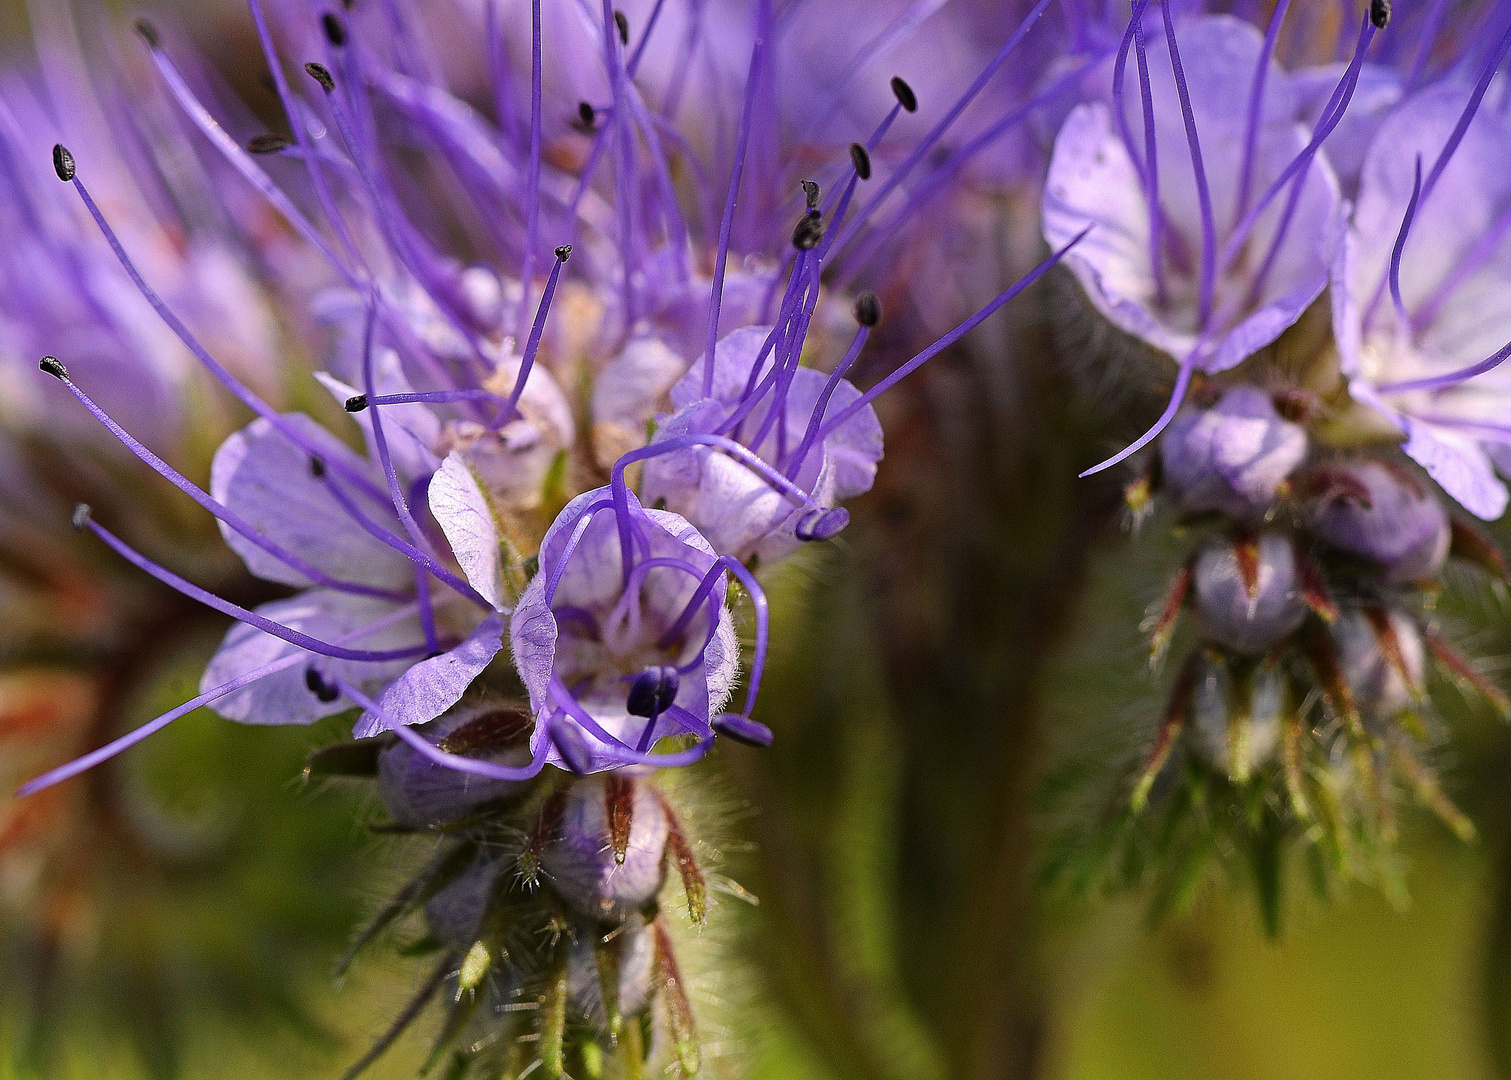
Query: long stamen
x=810 y=436
x=151 y=727
x=225 y=607
x=948 y=339
x=1203 y=192
x=224 y=377
x=1256 y=107
x=532 y=189
x=220 y=510
x=1177 y=396
x=1151 y=158
x=741 y=453
x=533 y=345
x=726 y=223
x=360 y=402
x=1453 y=378
x=1426 y=39
x=1403 y=321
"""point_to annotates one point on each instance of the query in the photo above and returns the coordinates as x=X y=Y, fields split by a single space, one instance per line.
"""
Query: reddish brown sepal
x=619 y=811
x=681 y=852
x=1313 y=587
x=1458 y=666
x=1471 y=544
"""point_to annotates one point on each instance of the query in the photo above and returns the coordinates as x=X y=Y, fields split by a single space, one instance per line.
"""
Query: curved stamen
x=1177 y=396
x=1403 y=321
x=816 y=419
x=726 y=223
x=948 y=339
x=527 y=360
x=1453 y=378
x=151 y=727
x=251 y=618
x=1151 y=156
x=434 y=754
x=1203 y=192
x=757 y=598
x=214 y=506
x=428 y=397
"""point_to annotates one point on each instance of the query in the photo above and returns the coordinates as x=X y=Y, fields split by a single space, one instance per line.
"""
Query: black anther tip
x=317 y=685
x=624 y=27
x=63 y=163
x=861 y=160
x=564 y=252
x=335 y=33
x=810 y=193
x=586 y=114
x=148 y=33
x=267 y=143
x=80 y=517
x=867 y=309
x=355 y=403
x=808 y=233
x=317 y=468
x=904 y=94
x=1379 y=13
x=322 y=75
x=54 y=367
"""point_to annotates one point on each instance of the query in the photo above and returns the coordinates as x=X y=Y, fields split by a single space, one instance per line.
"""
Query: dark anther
x=322 y=75
x=356 y=403
x=904 y=93
x=317 y=468
x=564 y=252
x=810 y=193
x=322 y=690
x=1379 y=13
x=861 y=160
x=335 y=33
x=348 y=4
x=743 y=729
x=586 y=115
x=819 y=524
x=867 y=309
x=81 y=516
x=62 y=163
x=149 y=33
x=653 y=691
x=808 y=233
x=54 y=367
x=624 y=27
x=267 y=143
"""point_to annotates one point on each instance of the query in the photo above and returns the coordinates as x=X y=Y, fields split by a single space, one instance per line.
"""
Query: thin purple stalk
x=439 y=397
x=1203 y=192
x=949 y=339
x=1177 y=396
x=810 y=436
x=251 y=618
x=726 y=223
x=1426 y=39
x=1256 y=106
x=532 y=346
x=532 y=187
x=136 y=735
x=1453 y=378
x=1403 y=321
x=220 y=509
x=1151 y=157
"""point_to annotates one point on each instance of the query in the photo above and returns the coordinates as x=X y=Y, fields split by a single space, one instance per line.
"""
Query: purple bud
x=822 y=524
x=635 y=955
x=1404 y=528
x=653 y=691
x=1237 y=720
x=579 y=859
x=1381 y=654
x=1231 y=458
x=418 y=793
x=1246 y=594
x=743 y=729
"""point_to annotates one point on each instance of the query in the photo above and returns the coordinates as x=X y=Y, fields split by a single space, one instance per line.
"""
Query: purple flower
x=1382 y=656
x=598 y=881
x=626 y=596
x=1233 y=457
x=419 y=792
x=1422 y=307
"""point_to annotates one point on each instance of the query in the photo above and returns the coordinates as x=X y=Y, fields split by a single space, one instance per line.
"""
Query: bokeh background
x=941 y=672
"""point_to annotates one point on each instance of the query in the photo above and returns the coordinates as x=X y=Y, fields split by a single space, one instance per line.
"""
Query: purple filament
x=810 y=436
x=1403 y=321
x=439 y=397
x=1256 y=107
x=437 y=756
x=532 y=192
x=1443 y=382
x=1203 y=193
x=830 y=426
x=527 y=361
x=726 y=223
x=1151 y=157
x=131 y=738
x=1177 y=396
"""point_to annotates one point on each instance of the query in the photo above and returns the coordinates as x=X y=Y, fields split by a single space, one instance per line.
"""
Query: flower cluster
x=585 y=427
x=1317 y=257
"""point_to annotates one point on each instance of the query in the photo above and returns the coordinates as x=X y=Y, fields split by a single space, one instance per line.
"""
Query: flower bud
x=417 y=792
x=1231 y=458
x=1246 y=594
x=582 y=860
x=629 y=950
x=1237 y=720
x=1402 y=527
x=1381 y=654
